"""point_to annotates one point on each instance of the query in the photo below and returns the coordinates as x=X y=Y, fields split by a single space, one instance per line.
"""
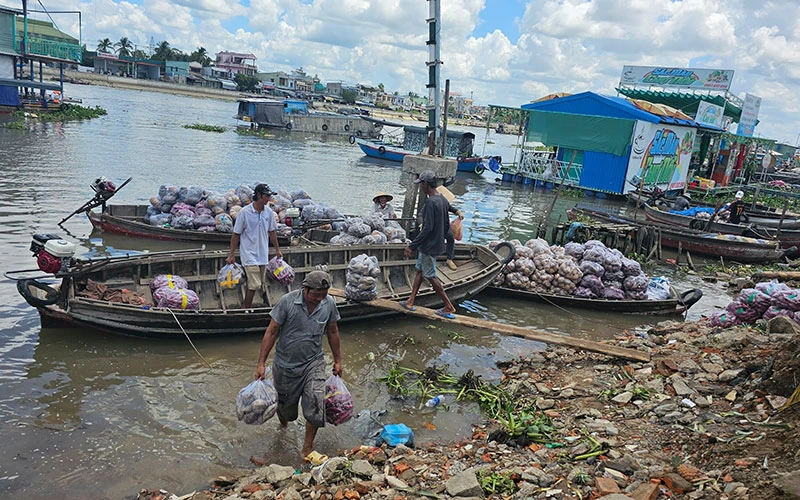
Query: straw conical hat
x=387 y=195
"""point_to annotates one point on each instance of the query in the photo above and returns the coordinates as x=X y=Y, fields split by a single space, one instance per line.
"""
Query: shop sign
x=661 y=154
x=692 y=78
x=747 y=122
x=709 y=114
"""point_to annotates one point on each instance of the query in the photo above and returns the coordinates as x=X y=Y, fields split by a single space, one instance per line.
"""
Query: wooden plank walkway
x=513 y=330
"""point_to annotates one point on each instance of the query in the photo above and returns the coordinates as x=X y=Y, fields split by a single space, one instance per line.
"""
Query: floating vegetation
x=205 y=128
x=16 y=125
x=67 y=112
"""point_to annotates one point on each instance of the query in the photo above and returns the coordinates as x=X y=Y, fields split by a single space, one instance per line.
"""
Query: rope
x=568 y=311
x=187 y=338
x=48 y=15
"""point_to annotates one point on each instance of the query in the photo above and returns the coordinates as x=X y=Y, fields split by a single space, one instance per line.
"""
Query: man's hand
x=460 y=214
x=260 y=371
x=407 y=252
x=279 y=255
x=231 y=259
x=337 y=369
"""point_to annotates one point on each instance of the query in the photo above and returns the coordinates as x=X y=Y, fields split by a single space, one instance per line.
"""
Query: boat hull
x=392 y=152
x=671 y=219
x=220 y=313
x=645 y=307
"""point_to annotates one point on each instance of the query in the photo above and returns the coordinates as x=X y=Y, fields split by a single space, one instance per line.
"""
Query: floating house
x=607 y=144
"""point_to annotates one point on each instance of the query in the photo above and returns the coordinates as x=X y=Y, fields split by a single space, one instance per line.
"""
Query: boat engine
x=103 y=188
x=53 y=254
x=292 y=218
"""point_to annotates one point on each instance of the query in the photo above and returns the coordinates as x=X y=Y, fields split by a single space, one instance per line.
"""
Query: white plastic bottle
x=434 y=401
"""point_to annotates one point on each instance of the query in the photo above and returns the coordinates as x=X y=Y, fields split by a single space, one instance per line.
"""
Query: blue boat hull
x=391 y=152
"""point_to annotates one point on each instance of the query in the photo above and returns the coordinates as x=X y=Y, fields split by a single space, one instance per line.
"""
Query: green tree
x=200 y=55
x=124 y=47
x=246 y=83
x=104 y=45
x=163 y=51
x=349 y=96
x=381 y=87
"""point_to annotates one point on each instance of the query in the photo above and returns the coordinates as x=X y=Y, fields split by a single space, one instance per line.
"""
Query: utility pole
x=434 y=73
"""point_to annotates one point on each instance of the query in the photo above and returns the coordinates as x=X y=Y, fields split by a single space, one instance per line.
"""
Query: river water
x=85 y=414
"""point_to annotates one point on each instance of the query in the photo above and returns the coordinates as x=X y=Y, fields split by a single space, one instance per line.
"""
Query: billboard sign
x=709 y=114
x=660 y=154
x=689 y=78
x=747 y=122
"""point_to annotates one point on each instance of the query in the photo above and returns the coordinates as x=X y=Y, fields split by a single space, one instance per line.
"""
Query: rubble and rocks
x=701 y=420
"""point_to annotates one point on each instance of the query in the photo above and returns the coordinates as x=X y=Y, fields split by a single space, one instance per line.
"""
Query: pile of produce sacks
x=588 y=270
x=766 y=300
x=196 y=208
x=170 y=291
x=371 y=229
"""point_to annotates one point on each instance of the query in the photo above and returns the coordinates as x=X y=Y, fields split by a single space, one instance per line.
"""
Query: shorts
x=427 y=264
x=256 y=277
x=305 y=383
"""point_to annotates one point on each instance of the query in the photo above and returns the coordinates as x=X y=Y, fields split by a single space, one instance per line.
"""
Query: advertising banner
x=690 y=78
x=660 y=154
x=709 y=114
x=747 y=123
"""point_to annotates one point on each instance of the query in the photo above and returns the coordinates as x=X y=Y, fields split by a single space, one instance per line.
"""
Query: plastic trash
x=434 y=401
x=394 y=434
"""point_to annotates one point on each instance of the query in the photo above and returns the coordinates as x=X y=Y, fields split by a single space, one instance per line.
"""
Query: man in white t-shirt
x=254 y=230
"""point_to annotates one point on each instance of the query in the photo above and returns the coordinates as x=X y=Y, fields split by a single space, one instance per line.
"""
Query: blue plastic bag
x=395 y=434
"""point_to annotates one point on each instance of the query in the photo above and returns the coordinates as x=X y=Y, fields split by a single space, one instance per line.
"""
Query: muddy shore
x=700 y=420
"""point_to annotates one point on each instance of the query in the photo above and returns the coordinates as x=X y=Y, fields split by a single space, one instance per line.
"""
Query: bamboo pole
x=779 y=275
x=514 y=331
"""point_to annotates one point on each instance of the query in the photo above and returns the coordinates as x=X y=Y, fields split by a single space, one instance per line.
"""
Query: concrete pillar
x=413 y=165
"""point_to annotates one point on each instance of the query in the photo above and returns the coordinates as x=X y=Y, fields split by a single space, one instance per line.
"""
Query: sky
x=506 y=52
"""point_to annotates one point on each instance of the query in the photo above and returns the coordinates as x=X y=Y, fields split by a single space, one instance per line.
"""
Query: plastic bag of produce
x=458 y=228
x=359 y=230
x=166 y=208
x=338 y=401
x=245 y=194
x=594 y=254
x=755 y=299
x=636 y=295
x=593 y=283
x=635 y=283
x=613 y=293
x=169 y=280
x=205 y=220
x=613 y=276
x=394 y=233
x=234 y=211
x=191 y=195
x=280 y=271
x=775 y=311
x=658 y=289
x=526 y=266
x=744 y=312
x=631 y=267
x=574 y=250
x=299 y=194
x=232 y=199
x=378 y=238
x=375 y=221
x=156 y=203
x=280 y=202
x=180 y=298
x=787 y=299
x=169 y=194
x=593 y=243
x=613 y=263
x=771 y=287
x=584 y=293
x=161 y=219
x=217 y=203
x=589 y=267
x=183 y=222
x=151 y=211
x=181 y=208
x=517 y=281
x=257 y=402
x=231 y=276
x=223 y=223
x=538 y=245
x=723 y=319
x=363 y=272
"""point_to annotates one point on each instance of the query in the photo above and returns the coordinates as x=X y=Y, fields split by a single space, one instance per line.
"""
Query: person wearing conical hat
x=381 y=205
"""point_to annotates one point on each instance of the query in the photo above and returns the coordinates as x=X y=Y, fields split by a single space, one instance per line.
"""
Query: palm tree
x=200 y=55
x=163 y=51
x=124 y=47
x=104 y=44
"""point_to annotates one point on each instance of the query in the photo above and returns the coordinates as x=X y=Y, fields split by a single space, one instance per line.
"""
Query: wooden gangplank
x=514 y=331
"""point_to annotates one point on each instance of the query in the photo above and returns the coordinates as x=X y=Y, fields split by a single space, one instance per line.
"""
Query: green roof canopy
x=45 y=30
x=582 y=132
x=684 y=101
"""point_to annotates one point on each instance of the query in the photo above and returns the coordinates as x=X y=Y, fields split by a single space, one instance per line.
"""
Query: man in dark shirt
x=430 y=242
x=682 y=202
x=737 y=208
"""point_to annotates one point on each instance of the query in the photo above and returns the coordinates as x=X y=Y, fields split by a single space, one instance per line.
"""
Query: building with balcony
x=237 y=63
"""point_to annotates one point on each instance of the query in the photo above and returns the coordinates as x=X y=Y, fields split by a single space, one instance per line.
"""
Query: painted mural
x=661 y=154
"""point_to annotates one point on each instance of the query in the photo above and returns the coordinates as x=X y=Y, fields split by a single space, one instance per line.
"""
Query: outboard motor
x=53 y=254
x=103 y=188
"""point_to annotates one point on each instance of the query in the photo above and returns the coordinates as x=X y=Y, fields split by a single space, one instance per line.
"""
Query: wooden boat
x=219 y=312
x=674 y=305
x=129 y=220
x=672 y=219
x=732 y=247
x=459 y=147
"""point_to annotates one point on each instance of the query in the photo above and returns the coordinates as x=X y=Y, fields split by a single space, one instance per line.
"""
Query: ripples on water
x=87 y=414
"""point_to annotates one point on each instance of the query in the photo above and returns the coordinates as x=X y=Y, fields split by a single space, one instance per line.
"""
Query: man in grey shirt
x=429 y=243
x=299 y=321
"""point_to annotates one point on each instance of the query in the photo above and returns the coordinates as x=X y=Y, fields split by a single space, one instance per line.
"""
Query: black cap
x=263 y=189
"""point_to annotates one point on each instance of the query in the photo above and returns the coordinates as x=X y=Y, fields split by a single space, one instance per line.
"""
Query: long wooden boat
x=672 y=219
x=129 y=220
x=733 y=247
x=674 y=305
x=392 y=152
x=220 y=312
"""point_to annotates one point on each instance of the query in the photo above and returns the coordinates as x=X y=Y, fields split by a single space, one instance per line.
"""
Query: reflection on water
x=84 y=413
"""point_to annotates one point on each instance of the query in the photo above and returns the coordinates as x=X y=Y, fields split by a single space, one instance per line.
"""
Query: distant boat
x=294 y=115
x=459 y=147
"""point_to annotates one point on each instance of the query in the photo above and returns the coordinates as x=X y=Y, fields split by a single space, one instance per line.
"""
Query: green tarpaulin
x=582 y=132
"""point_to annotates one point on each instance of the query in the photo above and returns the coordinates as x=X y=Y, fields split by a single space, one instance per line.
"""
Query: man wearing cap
x=430 y=242
x=737 y=208
x=381 y=205
x=299 y=321
x=682 y=202
x=254 y=230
